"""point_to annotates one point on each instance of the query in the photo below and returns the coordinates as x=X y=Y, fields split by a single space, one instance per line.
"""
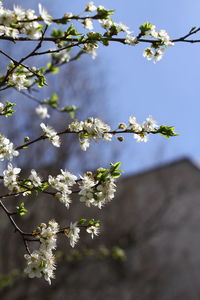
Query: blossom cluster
x=63 y=183
x=74 y=229
x=156 y=51
x=90 y=129
x=141 y=131
x=96 y=191
x=20 y=81
x=73 y=234
x=11 y=178
x=41 y=262
x=14 y=185
x=7 y=148
x=20 y=21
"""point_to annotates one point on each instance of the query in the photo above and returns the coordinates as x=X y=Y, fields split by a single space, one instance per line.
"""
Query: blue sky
x=168 y=90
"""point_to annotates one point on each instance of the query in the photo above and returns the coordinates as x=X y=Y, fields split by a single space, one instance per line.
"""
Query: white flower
x=76 y=126
x=73 y=234
x=94 y=128
x=90 y=7
x=62 y=56
x=84 y=144
x=150 y=124
x=33 y=262
x=93 y=230
x=68 y=16
x=1 y=107
x=134 y=125
x=42 y=262
x=7 y=148
x=106 y=23
x=35 y=178
x=56 y=141
x=64 y=198
x=19 y=12
x=148 y=53
x=88 y=24
x=131 y=40
x=164 y=37
x=67 y=178
x=44 y=15
x=95 y=193
x=62 y=183
x=122 y=27
x=141 y=137
x=90 y=48
x=51 y=134
x=20 y=81
x=42 y=111
x=158 y=55
x=10 y=178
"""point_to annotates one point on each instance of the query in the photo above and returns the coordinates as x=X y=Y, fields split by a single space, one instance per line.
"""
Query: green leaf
x=167 y=131
x=70 y=110
x=102 y=13
x=41 y=80
x=8 y=111
x=21 y=210
x=145 y=27
x=82 y=222
x=52 y=101
x=57 y=33
x=192 y=29
x=92 y=222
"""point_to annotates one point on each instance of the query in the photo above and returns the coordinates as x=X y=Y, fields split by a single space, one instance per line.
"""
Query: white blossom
x=73 y=234
x=150 y=124
x=93 y=230
x=122 y=27
x=93 y=128
x=133 y=124
x=96 y=193
x=62 y=56
x=88 y=24
x=7 y=148
x=90 y=7
x=42 y=111
x=90 y=48
x=68 y=16
x=20 y=81
x=164 y=37
x=10 y=178
x=51 y=134
x=44 y=15
x=158 y=55
x=141 y=137
x=1 y=107
x=84 y=144
x=64 y=197
x=106 y=23
x=35 y=179
x=63 y=183
x=19 y=12
x=148 y=53
x=42 y=262
x=131 y=40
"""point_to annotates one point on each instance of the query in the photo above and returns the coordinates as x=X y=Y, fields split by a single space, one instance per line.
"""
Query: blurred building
x=155 y=219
